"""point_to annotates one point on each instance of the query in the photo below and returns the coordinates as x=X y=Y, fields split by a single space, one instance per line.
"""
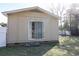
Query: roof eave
x=30 y=8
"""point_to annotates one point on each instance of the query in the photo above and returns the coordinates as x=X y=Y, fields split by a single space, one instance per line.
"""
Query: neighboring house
x=31 y=24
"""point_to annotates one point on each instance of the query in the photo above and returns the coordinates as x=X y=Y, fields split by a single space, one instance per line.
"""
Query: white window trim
x=29 y=30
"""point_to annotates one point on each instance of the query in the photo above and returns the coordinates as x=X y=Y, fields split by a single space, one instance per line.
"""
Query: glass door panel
x=37 y=30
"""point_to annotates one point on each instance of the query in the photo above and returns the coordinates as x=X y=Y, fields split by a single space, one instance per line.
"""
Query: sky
x=6 y=5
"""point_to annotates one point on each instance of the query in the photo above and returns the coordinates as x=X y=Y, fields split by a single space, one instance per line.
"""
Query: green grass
x=26 y=51
x=68 y=46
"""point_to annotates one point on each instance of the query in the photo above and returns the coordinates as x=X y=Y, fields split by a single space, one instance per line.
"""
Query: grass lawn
x=26 y=51
x=68 y=46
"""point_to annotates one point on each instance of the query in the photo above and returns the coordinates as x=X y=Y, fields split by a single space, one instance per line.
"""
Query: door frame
x=29 y=27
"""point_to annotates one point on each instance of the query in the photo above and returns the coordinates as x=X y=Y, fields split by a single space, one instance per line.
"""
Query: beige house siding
x=18 y=27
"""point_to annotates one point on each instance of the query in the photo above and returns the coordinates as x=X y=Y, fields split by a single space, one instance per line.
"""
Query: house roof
x=30 y=8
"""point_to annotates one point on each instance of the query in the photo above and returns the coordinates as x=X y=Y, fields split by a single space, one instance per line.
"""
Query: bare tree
x=60 y=11
x=73 y=18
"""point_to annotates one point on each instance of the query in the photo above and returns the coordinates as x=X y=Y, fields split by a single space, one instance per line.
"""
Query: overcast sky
x=17 y=4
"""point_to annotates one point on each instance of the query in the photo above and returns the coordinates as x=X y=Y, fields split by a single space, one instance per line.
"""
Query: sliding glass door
x=37 y=30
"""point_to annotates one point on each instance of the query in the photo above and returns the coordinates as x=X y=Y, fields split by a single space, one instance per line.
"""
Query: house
x=31 y=25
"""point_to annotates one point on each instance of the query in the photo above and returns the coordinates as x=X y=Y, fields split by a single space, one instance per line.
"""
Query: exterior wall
x=18 y=27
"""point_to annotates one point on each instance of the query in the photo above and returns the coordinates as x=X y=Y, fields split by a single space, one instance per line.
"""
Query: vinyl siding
x=18 y=27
